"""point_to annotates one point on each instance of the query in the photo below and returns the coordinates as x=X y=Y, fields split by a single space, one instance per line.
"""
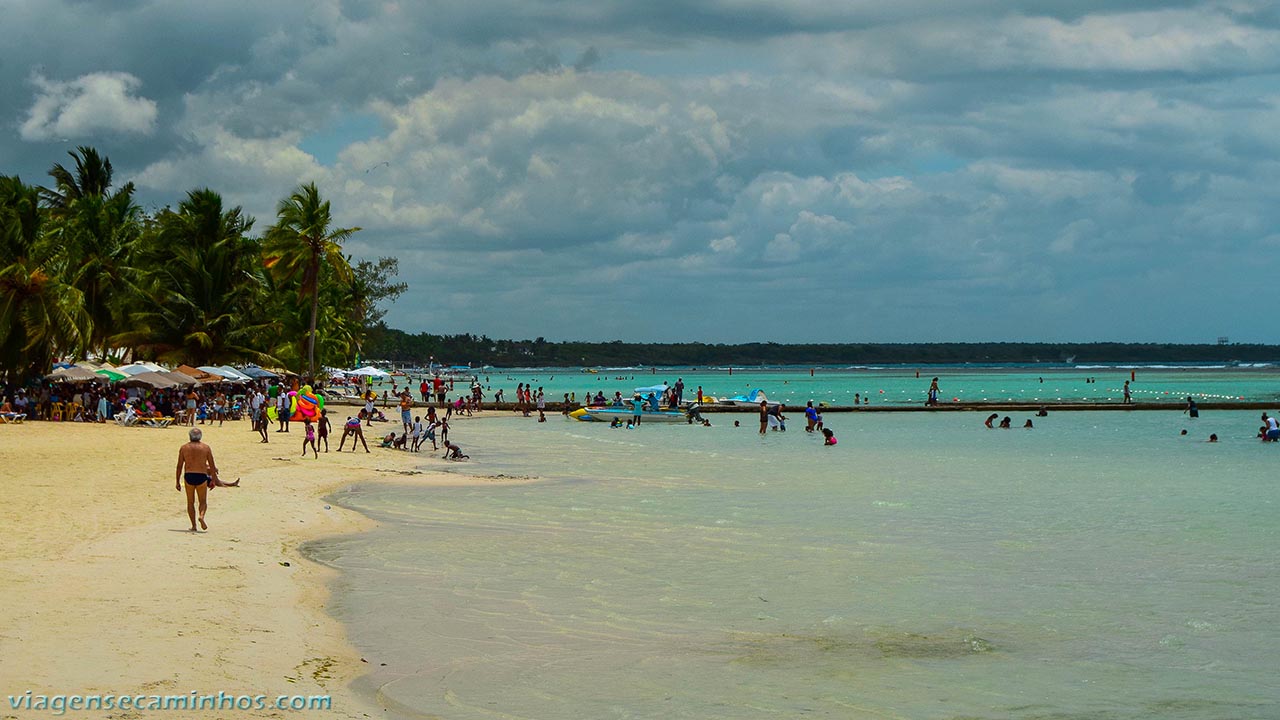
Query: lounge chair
x=15 y=418
x=157 y=422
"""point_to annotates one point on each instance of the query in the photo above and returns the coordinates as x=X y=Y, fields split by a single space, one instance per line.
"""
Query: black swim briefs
x=195 y=478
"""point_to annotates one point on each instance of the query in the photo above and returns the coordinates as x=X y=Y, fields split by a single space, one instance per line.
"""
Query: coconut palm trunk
x=300 y=244
x=315 y=310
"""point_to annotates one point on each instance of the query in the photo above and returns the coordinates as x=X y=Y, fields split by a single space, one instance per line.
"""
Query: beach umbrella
x=226 y=373
x=179 y=378
x=111 y=375
x=233 y=374
x=257 y=373
x=369 y=371
x=138 y=368
x=154 y=380
x=197 y=374
x=72 y=373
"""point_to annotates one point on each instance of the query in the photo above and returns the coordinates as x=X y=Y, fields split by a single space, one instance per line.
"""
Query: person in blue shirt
x=813 y=421
x=637 y=407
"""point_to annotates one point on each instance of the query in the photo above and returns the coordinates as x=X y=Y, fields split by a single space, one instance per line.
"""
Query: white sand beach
x=107 y=592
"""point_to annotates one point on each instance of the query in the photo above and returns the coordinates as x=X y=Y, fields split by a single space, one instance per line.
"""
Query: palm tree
x=92 y=178
x=203 y=288
x=298 y=245
x=94 y=229
x=40 y=315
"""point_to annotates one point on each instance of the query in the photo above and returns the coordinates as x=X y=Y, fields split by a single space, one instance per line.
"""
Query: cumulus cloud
x=92 y=103
x=966 y=170
x=547 y=159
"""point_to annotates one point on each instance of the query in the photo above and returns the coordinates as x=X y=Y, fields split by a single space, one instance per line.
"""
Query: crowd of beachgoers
x=266 y=402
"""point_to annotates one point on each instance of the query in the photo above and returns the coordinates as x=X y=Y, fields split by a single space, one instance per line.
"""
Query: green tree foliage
x=83 y=269
x=95 y=229
x=398 y=346
x=40 y=315
x=301 y=243
x=202 y=288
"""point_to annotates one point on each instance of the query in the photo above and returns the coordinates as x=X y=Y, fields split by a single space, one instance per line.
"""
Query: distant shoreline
x=396 y=346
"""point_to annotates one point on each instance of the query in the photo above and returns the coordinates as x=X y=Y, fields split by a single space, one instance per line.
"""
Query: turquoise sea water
x=1098 y=566
x=900 y=386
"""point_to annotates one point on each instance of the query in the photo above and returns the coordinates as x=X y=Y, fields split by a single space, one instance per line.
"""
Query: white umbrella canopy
x=138 y=368
x=369 y=371
x=179 y=378
x=151 y=379
x=73 y=374
x=223 y=371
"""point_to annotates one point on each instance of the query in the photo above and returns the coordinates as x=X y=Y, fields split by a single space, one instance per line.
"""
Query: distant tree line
x=385 y=343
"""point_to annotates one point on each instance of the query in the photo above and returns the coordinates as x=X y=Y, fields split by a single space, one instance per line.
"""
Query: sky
x=715 y=171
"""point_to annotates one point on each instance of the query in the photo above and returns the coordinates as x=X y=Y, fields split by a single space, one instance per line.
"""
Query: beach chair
x=157 y=422
x=55 y=412
x=14 y=418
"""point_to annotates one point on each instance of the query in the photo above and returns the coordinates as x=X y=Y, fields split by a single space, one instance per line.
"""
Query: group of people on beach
x=198 y=472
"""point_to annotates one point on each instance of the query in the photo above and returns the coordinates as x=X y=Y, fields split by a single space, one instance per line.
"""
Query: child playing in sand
x=323 y=428
x=309 y=438
x=453 y=452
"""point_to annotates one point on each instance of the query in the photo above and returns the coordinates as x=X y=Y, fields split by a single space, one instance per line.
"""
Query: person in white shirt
x=282 y=411
x=416 y=433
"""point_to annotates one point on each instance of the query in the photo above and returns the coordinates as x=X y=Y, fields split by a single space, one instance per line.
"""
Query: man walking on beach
x=196 y=470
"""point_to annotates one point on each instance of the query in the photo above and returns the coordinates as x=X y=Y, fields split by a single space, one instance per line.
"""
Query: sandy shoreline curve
x=107 y=592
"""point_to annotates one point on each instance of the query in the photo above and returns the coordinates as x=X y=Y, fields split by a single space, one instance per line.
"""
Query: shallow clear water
x=1098 y=566
x=900 y=386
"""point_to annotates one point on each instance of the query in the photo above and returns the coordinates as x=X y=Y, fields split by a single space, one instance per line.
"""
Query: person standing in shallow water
x=1192 y=410
x=1127 y=397
x=197 y=470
